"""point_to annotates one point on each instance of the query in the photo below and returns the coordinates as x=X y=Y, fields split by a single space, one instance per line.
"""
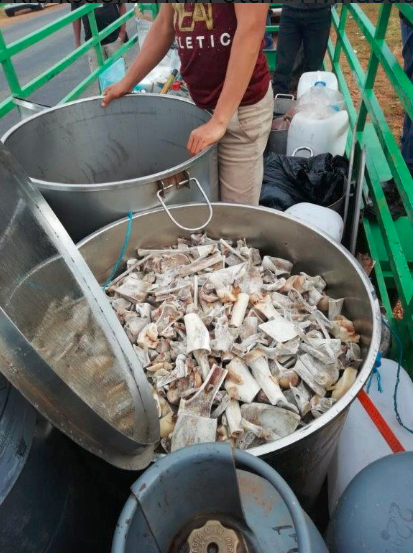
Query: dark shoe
x=393 y=199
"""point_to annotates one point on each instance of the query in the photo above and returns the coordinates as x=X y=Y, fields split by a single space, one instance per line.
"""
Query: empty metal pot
x=302 y=458
x=95 y=165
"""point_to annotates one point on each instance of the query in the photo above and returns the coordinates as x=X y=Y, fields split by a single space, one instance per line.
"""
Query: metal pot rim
x=130 y=183
x=363 y=375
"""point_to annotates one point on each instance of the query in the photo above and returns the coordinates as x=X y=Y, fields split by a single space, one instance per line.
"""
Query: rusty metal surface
x=191 y=489
x=186 y=504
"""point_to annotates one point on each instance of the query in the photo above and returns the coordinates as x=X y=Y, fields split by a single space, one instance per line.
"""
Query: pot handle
x=161 y=195
x=285 y=96
x=302 y=149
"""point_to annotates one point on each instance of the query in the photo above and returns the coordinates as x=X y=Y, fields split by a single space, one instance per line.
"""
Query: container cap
x=61 y=344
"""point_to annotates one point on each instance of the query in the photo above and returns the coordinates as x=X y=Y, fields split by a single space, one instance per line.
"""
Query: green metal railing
x=7 y=52
x=272 y=54
x=390 y=242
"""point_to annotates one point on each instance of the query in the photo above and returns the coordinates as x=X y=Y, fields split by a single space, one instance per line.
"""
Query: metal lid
x=61 y=345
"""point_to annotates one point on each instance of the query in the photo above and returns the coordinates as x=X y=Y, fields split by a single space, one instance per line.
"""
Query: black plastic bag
x=292 y=180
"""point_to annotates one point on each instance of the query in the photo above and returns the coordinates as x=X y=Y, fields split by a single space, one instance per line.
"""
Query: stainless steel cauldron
x=95 y=165
x=304 y=457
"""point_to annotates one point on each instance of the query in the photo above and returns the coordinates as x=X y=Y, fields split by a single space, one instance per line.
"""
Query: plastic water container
x=312 y=78
x=320 y=217
x=375 y=513
x=361 y=442
x=323 y=136
x=144 y=16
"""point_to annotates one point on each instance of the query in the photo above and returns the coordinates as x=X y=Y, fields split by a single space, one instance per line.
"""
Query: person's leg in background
x=407 y=137
x=241 y=152
x=112 y=47
x=94 y=89
x=289 y=42
x=107 y=50
x=299 y=69
x=315 y=36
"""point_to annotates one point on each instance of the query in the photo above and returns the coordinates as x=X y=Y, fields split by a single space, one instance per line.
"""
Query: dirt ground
x=387 y=97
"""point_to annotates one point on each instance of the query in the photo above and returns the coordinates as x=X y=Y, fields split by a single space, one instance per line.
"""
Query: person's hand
x=113 y=92
x=204 y=136
x=122 y=36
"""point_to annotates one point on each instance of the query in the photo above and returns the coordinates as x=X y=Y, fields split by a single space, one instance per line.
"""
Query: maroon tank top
x=205 y=33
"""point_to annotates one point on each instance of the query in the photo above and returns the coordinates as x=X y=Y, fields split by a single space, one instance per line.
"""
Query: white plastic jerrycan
x=314 y=78
x=328 y=135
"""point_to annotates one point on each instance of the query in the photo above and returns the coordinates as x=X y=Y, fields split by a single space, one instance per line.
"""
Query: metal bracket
x=28 y=108
x=173 y=182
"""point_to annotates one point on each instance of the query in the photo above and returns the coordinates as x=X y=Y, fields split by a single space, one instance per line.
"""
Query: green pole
x=8 y=69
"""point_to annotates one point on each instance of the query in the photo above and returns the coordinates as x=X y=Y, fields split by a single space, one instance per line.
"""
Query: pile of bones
x=234 y=347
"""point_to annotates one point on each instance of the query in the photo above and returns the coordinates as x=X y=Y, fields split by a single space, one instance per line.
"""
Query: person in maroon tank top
x=225 y=69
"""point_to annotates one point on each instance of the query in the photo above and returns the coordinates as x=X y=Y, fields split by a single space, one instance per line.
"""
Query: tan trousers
x=241 y=152
x=108 y=50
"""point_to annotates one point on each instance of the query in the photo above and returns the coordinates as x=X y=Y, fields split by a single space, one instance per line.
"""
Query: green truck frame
x=390 y=242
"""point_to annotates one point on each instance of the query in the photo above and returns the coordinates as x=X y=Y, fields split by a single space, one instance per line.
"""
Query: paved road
x=40 y=57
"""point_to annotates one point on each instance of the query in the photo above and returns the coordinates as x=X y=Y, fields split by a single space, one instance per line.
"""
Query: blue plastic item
x=375 y=513
x=210 y=484
x=112 y=74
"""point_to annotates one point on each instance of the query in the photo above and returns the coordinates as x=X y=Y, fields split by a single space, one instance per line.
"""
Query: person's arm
x=122 y=32
x=157 y=43
x=244 y=53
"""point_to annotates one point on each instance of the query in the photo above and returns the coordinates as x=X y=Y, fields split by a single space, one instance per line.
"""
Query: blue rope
x=122 y=252
x=376 y=373
x=396 y=388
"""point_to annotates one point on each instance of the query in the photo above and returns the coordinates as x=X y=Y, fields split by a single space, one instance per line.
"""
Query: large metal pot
x=95 y=165
x=303 y=458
